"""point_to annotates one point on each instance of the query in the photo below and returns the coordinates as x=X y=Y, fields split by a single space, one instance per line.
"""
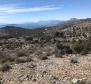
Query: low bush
x=23 y=59
x=58 y=53
x=5 y=67
x=82 y=47
x=42 y=57
x=28 y=38
x=59 y=34
x=22 y=53
x=74 y=60
x=5 y=57
x=64 y=49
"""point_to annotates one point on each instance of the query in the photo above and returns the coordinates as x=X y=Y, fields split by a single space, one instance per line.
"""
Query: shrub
x=43 y=58
x=85 y=36
x=8 y=59
x=59 y=34
x=5 y=67
x=58 y=54
x=5 y=57
x=28 y=38
x=84 y=52
x=74 y=60
x=45 y=39
x=59 y=46
x=78 y=47
x=64 y=49
x=22 y=53
x=84 y=82
x=41 y=55
x=81 y=81
x=82 y=47
x=23 y=59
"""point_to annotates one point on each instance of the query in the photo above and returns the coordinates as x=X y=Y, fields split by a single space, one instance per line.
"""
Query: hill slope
x=67 y=27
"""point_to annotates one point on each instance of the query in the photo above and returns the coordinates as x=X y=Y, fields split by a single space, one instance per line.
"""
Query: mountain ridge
x=31 y=25
x=20 y=31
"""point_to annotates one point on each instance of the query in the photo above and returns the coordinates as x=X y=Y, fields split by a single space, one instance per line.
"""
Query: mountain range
x=33 y=25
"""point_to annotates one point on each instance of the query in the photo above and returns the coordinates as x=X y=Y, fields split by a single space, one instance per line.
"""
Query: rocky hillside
x=66 y=26
x=53 y=55
x=18 y=31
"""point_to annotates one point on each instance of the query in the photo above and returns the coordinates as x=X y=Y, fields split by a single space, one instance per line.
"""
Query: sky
x=22 y=11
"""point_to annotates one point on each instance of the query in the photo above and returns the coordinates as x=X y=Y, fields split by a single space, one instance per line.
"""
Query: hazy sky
x=20 y=11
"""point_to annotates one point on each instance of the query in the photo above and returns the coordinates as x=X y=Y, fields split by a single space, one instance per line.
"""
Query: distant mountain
x=2 y=25
x=12 y=31
x=33 y=25
x=39 y=24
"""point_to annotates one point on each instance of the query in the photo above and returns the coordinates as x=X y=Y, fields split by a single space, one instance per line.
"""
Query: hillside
x=18 y=31
x=64 y=26
x=51 y=55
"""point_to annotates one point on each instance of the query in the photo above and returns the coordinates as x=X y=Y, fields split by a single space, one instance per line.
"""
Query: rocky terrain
x=51 y=71
x=56 y=55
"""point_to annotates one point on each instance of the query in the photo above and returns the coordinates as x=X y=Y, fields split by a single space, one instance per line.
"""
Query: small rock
x=74 y=81
x=32 y=66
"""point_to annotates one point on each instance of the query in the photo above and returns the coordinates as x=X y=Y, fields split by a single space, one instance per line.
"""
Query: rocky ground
x=50 y=71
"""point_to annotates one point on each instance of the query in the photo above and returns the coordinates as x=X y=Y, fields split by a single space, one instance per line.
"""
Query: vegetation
x=23 y=59
x=27 y=47
x=5 y=67
x=65 y=49
x=83 y=82
x=71 y=40
x=82 y=46
x=28 y=38
x=22 y=53
x=74 y=60
x=59 y=34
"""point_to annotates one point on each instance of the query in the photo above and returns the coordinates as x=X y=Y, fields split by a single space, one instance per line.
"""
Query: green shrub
x=45 y=39
x=59 y=46
x=64 y=49
x=82 y=47
x=59 y=34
